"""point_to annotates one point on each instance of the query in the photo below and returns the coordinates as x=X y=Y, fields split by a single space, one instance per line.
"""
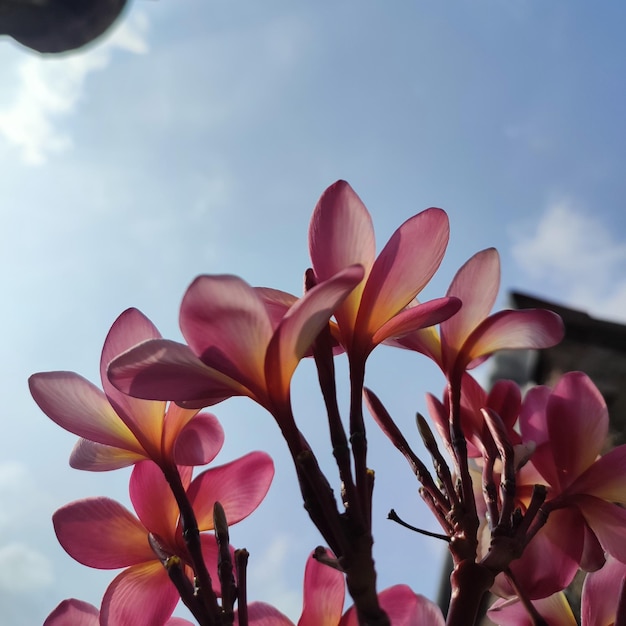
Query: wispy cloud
x=28 y=569
x=577 y=257
x=48 y=89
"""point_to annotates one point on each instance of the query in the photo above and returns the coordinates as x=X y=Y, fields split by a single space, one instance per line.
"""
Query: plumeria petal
x=608 y=522
x=142 y=595
x=77 y=405
x=555 y=610
x=404 y=608
x=476 y=283
x=425 y=340
x=199 y=441
x=600 y=594
x=227 y=326
x=167 y=370
x=262 y=614
x=145 y=419
x=324 y=593
x=578 y=424
x=73 y=612
x=402 y=269
x=96 y=457
x=416 y=317
x=101 y=533
x=276 y=302
x=341 y=234
x=239 y=486
x=606 y=478
x=153 y=500
x=529 y=329
x=301 y=326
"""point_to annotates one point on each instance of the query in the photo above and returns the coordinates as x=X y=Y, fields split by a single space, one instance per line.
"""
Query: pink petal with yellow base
x=142 y=595
x=555 y=610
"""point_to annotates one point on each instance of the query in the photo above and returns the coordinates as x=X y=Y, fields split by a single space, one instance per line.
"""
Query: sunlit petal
x=341 y=234
x=239 y=486
x=301 y=326
x=199 y=441
x=97 y=457
x=476 y=283
x=101 y=533
x=262 y=614
x=426 y=341
x=166 y=370
x=227 y=326
x=77 y=405
x=324 y=592
x=142 y=595
x=417 y=317
x=402 y=269
x=529 y=329
x=73 y=612
x=144 y=418
x=153 y=500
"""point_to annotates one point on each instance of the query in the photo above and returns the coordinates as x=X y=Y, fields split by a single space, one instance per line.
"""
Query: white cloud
x=275 y=589
x=578 y=258
x=47 y=89
x=23 y=569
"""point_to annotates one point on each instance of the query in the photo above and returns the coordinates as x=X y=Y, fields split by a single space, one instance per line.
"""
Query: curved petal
x=606 y=478
x=341 y=234
x=239 y=486
x=101 y=533
x=262 y=614
x=402 y=269
x=301 y=326
x=73 y=612
x=142 y=595
x=144 y=418
x=505 y=398
x=97 y=457
x=529 y=329
x=476 y=284
x=416 y=317
x=578 y=425
x=601 y=591
x=199 y=441
x=77 y=405
x=324 y=593
x=227 y=326
x=276 y=302
x=425 y=340
x=153 y=500
x=608 y=522
x=160 y=369
x=404 y=608
x=555 y=610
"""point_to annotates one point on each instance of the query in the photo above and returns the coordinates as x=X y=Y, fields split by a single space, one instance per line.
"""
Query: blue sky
x=196 y=138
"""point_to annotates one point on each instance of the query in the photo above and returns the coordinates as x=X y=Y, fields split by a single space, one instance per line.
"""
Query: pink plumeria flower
x=569 y=425
x=470 y=336
x=237 y=345
x=324 y=596
x=341 y=234
x=74 y=612
x=101 y=533
x=115 y=429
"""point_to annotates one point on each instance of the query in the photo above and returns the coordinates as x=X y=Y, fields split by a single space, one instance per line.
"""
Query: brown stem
x=470 y=581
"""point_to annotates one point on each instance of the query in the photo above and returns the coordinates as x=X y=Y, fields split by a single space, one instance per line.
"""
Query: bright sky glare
x=196 y=138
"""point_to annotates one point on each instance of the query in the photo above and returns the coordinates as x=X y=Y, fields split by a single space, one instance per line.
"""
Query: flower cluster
x=523 y=496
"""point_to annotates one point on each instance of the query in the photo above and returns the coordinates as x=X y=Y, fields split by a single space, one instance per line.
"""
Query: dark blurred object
x=57 y=25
